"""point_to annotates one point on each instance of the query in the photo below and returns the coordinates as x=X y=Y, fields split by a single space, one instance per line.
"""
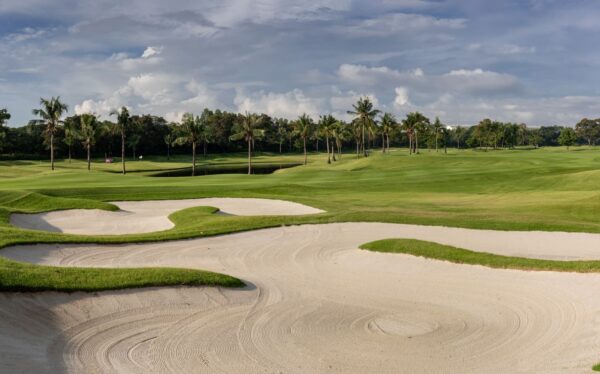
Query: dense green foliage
x=153 y=135
x=456 y=255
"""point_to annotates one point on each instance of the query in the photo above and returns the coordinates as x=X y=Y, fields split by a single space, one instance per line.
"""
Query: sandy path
x=148 y=216
x=315 y=304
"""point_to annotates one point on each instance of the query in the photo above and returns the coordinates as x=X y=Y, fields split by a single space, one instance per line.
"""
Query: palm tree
x=303 y=127
x=388 y=123
x=70 y=133
x=365 y=118
x=190 y=133
x=326 y=126
x=282 y=131
x=414 y=123
x=437 y=128
x=123 y=122
x=50 y=113
x=4 y=117
x=340 y=134
x=247 y=129
x=169 y=139
x=88 y=131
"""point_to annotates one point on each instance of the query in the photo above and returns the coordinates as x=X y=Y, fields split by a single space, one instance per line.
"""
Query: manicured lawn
x=456 y=255
x=543 y=189
x=15 y=276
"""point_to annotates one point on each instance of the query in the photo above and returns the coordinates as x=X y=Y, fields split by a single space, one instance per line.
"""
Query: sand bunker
x=315 y=303
x=147 y=216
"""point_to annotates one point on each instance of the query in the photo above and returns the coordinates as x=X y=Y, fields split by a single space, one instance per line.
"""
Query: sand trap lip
x=319 y=305
x=136 y=217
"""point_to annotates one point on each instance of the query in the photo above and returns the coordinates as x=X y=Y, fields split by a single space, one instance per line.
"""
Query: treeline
x=218 y=133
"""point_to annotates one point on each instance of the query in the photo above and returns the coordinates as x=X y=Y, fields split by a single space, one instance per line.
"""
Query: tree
x=522 y=133
x=51 y=112
x=567 y=137
x=588 y=129
x=388 y=124
x=340 y=134
x=437 y=128
x=247 y=128
x=206 y=135
x=303 y=126
x=281 y=131
x=87 y=132
x=365 y=118
x=414 y=123
x=4 y=117
x=170 y=138
x=326 y=128
x=132 y=141
x=123 y=123
x=459 y=134
x=71 y=124
x=190 y=133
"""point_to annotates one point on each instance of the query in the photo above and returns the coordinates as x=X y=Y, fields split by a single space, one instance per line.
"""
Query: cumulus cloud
x=288 y=104
x=401 y=98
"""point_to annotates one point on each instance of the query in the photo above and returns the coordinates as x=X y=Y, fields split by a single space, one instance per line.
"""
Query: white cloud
x=288 y=105
x=151 y=52
x=398 y=23
x=401 y=97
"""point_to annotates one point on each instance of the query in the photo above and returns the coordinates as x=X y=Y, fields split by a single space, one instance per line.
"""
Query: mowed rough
x=314 y=303
x=136 y=217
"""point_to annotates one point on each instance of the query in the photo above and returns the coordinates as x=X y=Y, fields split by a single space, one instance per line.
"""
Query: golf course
x=465 y=261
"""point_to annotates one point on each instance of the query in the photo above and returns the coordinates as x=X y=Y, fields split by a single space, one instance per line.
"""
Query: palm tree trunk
x=69 y=153
x=280 y=142
x=193 y=159
x=168 y=151
x=328 y=154
x=123 y=151
x=249 y=157
x=205 y=149
x=88 y=156
x=364 y=150
x=382 y=142
x=436 y=141
x=333 y=150
x=52 y=151
x=304 y=150
x=388 y=142
x=416 y=142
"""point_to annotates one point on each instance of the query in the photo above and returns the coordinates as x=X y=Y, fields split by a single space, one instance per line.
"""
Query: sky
x=531 y=61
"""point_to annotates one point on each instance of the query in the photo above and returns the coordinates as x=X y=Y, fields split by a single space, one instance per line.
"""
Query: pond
x=224 y=169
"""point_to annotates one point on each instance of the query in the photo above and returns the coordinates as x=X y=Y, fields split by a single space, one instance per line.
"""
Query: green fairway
x=541 y=189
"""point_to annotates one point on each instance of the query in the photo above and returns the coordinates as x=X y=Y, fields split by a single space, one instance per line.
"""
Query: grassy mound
x=456 y=255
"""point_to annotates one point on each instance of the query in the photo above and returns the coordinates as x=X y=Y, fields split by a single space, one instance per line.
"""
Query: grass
x=456 y=255
x=15 y=276
x=596 y=367
x=544 y=189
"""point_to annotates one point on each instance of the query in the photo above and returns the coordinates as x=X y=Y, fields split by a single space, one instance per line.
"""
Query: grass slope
x=456 y=255
x=15 y=276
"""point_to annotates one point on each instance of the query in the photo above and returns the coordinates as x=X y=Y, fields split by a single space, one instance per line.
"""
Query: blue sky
x=531 y=61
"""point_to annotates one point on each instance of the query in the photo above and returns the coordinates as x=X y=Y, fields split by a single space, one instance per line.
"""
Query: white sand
x=315 y=303
x=147 y=216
